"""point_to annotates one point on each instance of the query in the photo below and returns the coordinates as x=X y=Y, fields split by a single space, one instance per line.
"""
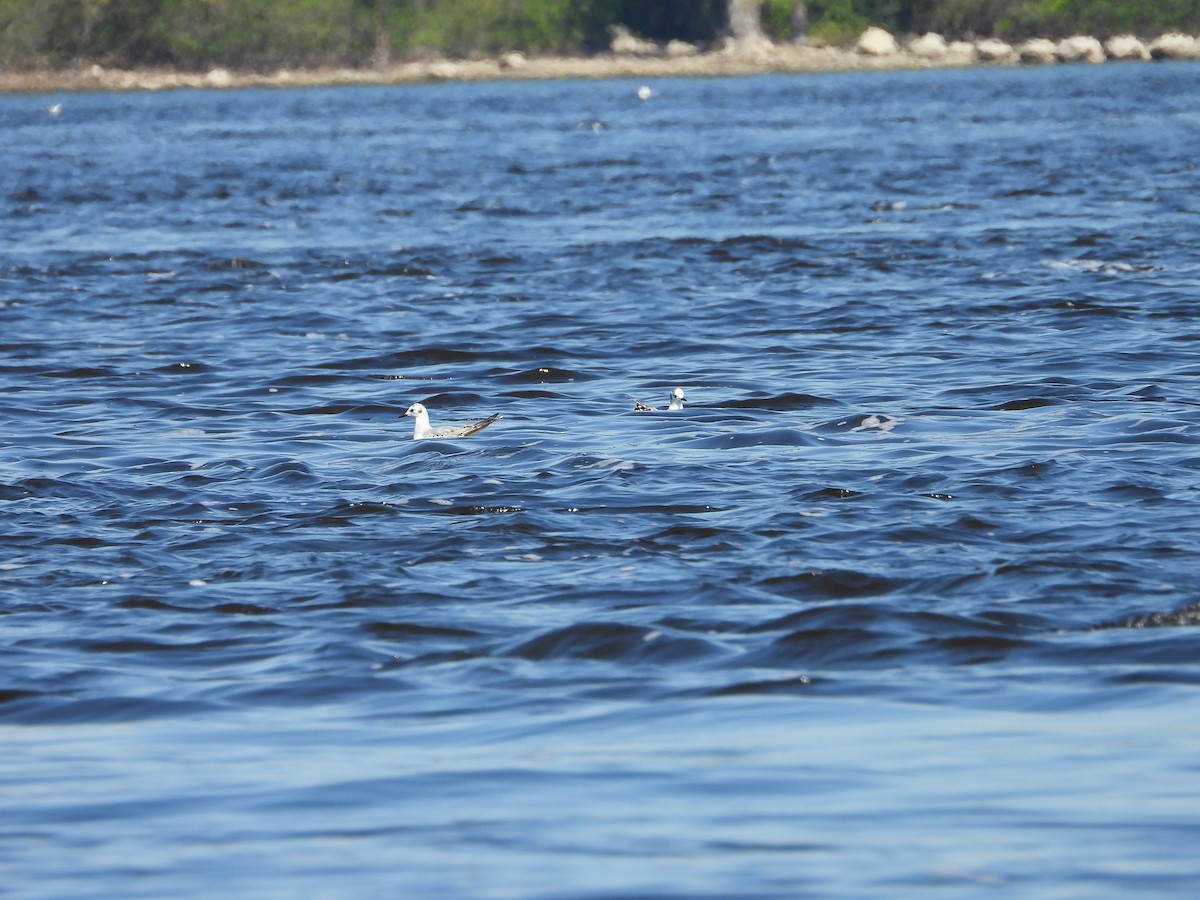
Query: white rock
x=1126 y=46
x=444 y=70
x=677 y=49
x=514 y=60
x=218 y=78
x=876 y=42
x=1175 y=46
x=1037 y=51
x=1080 y=48
x=930 y=45
x=624 y=43
x=754 y=48
x=994 y=50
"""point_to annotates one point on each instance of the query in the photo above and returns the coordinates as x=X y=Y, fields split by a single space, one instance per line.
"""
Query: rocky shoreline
x=631 y=57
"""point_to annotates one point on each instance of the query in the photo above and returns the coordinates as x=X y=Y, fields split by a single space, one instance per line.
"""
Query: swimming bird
x=677 y=400
x=422 y=429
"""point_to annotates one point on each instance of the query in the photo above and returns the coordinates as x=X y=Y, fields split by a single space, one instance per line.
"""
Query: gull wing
x=468 y=430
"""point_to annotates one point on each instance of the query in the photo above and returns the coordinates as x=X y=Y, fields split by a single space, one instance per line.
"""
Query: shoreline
x=926 y=52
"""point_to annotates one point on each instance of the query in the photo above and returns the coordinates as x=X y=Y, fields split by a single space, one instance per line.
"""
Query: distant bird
x=677 y=400
x=422 y=429
x=55 y=109
x=645 y=92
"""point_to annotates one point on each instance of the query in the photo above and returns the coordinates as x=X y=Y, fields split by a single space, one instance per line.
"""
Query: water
x=903 y=602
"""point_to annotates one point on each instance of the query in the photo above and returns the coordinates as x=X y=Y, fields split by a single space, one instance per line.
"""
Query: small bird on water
x=677 y=400
x=422 y=429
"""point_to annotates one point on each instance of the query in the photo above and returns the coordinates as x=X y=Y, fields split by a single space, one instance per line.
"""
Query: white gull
x=422 y=429
x=676 y=402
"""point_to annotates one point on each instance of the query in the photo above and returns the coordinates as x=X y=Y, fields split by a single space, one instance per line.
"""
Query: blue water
x=905 y=601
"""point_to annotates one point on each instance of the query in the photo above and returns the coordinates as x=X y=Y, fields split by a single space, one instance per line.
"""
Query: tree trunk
x=800 y=22
x=744 y=21
x=383 y=40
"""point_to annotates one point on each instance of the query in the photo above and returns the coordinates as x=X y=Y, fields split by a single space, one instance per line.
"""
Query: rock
x=513 y=60
x=960 y=52
x=444 y=70
x=624 y=43
x=1037 y=51
x=876 y=42
x=1175 y=46
x=928 y=46
x=994 y=50
x=1080 y=48
x=678 y=49
x=218 y=78
x=1126 y=46
x=754 y=50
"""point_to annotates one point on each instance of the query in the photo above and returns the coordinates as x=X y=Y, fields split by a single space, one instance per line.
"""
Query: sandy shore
x=757 y=59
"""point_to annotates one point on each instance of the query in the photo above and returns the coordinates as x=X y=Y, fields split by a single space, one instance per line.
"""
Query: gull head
x=417 y=409
x=677 y=399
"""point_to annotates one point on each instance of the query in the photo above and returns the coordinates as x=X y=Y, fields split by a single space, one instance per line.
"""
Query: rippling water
x=902 y=601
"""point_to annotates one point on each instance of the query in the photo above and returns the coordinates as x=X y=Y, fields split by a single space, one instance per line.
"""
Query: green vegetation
x=195 y=34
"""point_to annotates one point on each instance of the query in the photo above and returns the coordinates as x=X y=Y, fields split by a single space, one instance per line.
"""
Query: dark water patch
x=477 y=510
x=412 y=631
x=798 y=685
x=536 y=395
x=970 y=650
x=831 y=646
x=854 y=634
x=1140 y=492
x=245 y=609
x=153 y=603
x=81 y=373
x=1155 y=677
x=1027 y=403
x=49 y=709
x=81 y=541
x=343 y=513
x=781 y=403
x=754 y=247
x=613 y=642
x=10 y=696
x=184 y=368
x=832 y=493
x=217 y=471
x=287 y=471
x=693 y=539
x=831 y=583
